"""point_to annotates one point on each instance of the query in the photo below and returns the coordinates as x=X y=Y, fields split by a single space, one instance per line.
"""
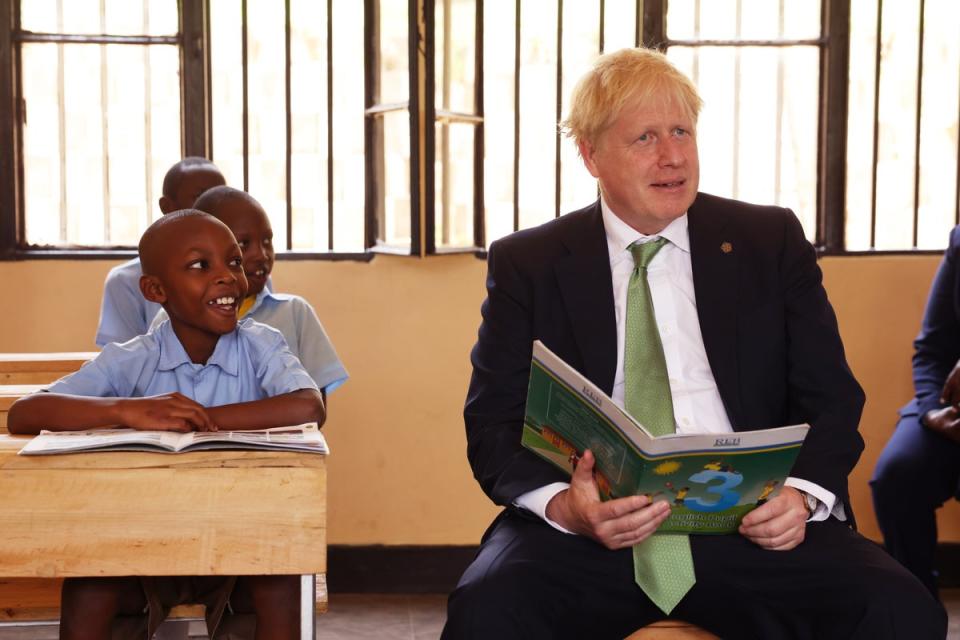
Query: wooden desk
x=203 y=513
x=124 y=513
x=40 y=368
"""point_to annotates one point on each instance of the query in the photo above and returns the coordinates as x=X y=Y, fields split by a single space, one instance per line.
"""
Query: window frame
x=196 y=125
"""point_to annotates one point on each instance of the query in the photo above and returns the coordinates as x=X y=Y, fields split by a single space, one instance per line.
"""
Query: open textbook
x=711 y=480
x=304 y=437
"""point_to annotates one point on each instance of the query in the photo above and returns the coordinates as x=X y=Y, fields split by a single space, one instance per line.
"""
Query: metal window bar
x=245 y=117
x=778 y=136
x=148 y=119
x=916 y=148
x=479 y=230
x=62 y=125
x=516 y=117
x=426 y=212
x=559 y=113
x=876 y=128
x=956 y=194
x=737 y=88
x=445 y=128
x=288 y=125
x=104 y=125
x=330 y=191
x=601 y=44
x=413 y=52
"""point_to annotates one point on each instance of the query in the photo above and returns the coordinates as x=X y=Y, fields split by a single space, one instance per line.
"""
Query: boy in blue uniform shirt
x=291 y=315
x=200 y=370
x=124 y=313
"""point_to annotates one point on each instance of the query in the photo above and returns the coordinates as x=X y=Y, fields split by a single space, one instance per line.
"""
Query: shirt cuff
x=827 y=503
x=536 y=502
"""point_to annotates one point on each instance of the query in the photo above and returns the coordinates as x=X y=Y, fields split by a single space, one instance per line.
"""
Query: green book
x=711 y=479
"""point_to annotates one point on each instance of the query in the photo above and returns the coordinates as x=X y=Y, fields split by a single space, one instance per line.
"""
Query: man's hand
x=778 y=525
x=167 y=412
x=616 y=523
x=944 y=421
x=951 y=388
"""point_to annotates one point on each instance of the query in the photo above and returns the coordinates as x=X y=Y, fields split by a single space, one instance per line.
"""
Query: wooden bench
x=40 y=368
x=207 y=513
x=671 y=630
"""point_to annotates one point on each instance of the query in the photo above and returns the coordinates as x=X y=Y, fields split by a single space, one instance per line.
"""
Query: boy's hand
x=167 y=412
x=950 y=394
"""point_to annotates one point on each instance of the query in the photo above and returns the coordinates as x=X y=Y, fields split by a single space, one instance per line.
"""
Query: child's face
x=202 y=280
x=251 y=226
x=193 y=182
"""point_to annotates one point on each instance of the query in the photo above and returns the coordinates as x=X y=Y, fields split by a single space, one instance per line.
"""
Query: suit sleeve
x=820 y=386
x=498 y=387
x=937 y=348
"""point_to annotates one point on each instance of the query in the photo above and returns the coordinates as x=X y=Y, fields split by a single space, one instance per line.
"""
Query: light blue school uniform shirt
x=251 y=362
x=124 y=312
x=295 y=319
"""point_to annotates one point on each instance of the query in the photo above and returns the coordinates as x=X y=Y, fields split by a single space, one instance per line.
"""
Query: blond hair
x=625 y=76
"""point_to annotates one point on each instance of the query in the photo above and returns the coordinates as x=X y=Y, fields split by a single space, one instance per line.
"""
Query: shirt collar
x=226 y=354
x=620 y=235
x=264 y=294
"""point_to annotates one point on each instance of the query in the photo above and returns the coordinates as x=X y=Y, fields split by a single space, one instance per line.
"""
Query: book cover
x=711 y=480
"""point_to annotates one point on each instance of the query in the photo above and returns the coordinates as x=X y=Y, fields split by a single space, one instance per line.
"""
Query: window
x=427 y=126
x=99 y=112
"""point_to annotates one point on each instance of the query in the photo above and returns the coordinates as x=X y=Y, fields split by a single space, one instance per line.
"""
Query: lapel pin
x=726 y=247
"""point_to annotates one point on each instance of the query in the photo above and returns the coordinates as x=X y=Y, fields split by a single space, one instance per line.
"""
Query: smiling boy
x=124 y=313
x=291 y=315
x=200 y=370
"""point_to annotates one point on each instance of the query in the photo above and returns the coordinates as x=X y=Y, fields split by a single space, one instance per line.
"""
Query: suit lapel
x=586 y=287
x=714 y=258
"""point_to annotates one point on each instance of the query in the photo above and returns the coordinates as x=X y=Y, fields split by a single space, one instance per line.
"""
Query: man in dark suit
x=746 y=340
x=919 y=468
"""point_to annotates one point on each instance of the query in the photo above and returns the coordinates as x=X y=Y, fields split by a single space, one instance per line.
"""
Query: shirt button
x=685 y=422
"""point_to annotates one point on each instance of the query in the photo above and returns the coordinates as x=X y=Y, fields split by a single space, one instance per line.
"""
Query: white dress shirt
x=697 y=406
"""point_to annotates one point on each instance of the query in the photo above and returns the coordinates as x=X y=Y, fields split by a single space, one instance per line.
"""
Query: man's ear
x=166 y=205
x=152 y=289
x=587 y=151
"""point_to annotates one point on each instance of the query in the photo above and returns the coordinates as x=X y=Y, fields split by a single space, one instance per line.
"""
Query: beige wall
x=404 y=327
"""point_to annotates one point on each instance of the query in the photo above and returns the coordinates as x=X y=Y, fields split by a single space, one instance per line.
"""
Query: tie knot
x=643 y=252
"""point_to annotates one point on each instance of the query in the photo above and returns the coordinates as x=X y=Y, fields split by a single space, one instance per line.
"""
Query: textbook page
x=305 y=437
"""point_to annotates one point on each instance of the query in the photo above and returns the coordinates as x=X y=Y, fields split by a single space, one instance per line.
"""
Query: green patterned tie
x=662 y=564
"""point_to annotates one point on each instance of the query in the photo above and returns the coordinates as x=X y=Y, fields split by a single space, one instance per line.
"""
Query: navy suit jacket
x=770 y=336
x=937 y=348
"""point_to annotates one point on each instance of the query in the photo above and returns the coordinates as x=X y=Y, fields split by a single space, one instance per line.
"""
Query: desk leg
x=308 y=607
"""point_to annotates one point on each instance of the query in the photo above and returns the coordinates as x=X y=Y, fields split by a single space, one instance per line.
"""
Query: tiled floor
x=396 y=617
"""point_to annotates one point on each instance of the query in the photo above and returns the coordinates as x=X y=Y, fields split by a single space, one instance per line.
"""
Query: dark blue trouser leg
x=916 y=473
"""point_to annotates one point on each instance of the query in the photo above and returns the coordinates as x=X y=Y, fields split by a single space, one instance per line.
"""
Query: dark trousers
x=530 y=581
x=917 y=472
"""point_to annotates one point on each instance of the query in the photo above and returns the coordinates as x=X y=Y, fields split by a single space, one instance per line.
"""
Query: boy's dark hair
x=175 y=172
x=212 y=199
x=150 y=257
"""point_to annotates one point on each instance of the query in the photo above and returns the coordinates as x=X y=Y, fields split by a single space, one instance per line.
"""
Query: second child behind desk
x=200 y=370
x=124 y=313
x=291 y=315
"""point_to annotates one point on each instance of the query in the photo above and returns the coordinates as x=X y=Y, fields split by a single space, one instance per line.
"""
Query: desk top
x=131 y=513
